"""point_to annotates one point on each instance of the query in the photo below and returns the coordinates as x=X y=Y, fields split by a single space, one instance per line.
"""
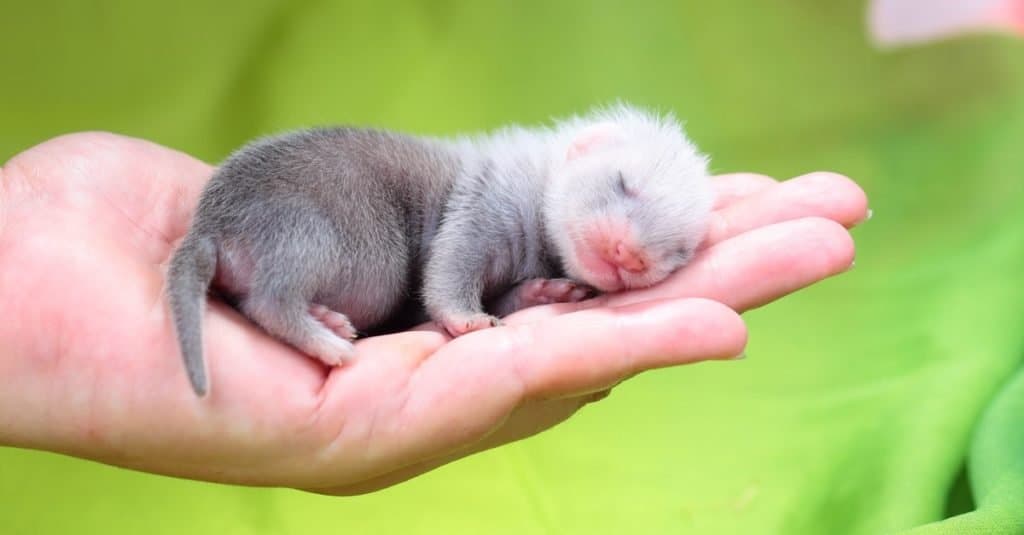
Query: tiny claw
x=460 y=325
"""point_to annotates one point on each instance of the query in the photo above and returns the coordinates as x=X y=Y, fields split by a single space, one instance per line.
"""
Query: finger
x=759 y=266
x=744 y=272
x=826 y=195
x=581 y=352
x=595 y=349
x=734 y=186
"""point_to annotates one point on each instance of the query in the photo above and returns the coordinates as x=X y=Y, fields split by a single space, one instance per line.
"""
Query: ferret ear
x=590 y=139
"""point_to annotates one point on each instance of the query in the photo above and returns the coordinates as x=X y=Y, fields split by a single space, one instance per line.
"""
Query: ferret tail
x=188 y=279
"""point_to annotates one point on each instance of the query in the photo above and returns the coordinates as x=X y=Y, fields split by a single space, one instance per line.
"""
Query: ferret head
x=628 y=198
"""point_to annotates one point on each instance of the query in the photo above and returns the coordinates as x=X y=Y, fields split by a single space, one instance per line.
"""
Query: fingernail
x=871 y=213
x=741 y=356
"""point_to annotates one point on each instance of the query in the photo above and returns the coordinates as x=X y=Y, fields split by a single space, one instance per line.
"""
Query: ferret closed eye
x=624 y=188
x=319 y=234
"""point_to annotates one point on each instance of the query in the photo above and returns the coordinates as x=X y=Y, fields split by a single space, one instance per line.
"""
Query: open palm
x=90 y=366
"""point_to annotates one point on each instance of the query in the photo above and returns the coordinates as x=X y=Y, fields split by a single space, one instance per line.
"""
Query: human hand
x=91 y=366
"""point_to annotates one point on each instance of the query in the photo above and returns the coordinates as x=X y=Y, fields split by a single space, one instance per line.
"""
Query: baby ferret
x=319 y=234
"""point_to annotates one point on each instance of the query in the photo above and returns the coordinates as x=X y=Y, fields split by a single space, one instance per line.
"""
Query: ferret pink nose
x=628 y=258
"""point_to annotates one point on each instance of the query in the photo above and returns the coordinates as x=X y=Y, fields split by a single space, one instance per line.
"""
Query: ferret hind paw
x=337 y=322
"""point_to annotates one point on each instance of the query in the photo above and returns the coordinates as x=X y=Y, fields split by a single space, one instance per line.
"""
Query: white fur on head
x=616 y=147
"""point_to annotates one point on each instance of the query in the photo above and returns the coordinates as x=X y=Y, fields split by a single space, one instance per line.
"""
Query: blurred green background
x=872 y=403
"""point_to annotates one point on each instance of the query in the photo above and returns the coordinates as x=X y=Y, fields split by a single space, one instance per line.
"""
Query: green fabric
x=997 y=463
x=862 y=399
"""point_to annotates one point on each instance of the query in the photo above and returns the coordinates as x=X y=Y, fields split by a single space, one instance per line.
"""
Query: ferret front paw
x=546 y=291
x=460 y=324
x=328 y=348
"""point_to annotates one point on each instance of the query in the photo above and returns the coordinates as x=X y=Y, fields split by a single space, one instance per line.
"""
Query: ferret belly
x=368 y=293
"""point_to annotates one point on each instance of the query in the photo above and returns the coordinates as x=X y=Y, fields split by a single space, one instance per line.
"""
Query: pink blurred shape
x=907 y=22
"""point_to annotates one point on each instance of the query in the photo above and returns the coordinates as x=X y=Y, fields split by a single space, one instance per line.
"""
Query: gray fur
x=191 y=271
x=329 y=216
x=386 y=229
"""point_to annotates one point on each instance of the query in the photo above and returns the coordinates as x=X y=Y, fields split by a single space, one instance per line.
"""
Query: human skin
x=90 y=366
